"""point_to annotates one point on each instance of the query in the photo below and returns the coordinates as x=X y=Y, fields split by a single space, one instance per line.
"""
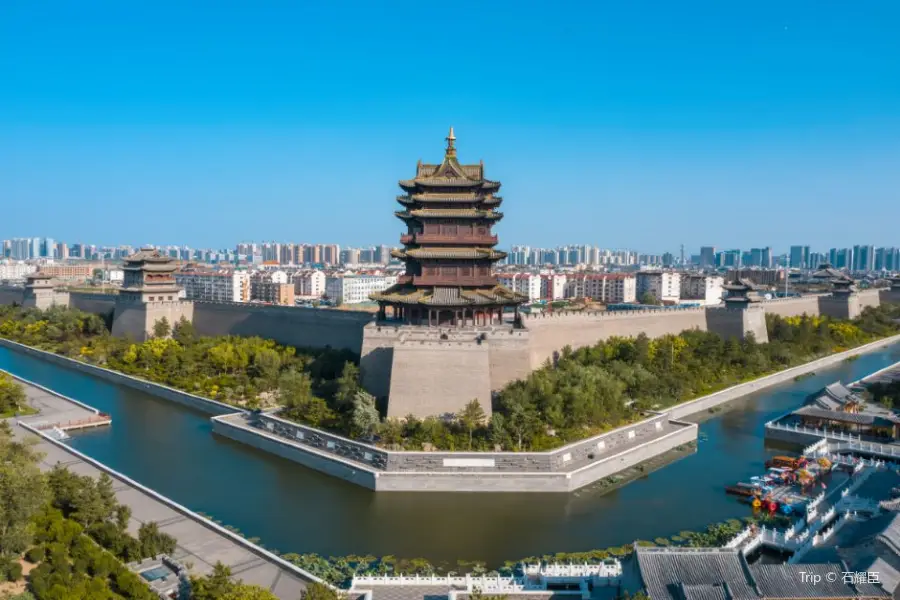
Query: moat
x=293 y=509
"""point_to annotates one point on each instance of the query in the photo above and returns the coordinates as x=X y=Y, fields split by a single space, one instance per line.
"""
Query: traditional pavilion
x=741 y=293
x=149 y=276
x=841 y=283
x=449 y=210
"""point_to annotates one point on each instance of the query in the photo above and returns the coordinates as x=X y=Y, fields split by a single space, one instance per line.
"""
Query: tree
x=184 y=332
x=12 y=395
x=347 y=387
x=320 y=591
x=294 y=388
x=471 y=417
x=162 y=328
x=22 y=494
x=649 y=298
x=365 y=415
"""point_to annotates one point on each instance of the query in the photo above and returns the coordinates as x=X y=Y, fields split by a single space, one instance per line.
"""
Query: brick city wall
x=99 y=304
x=551 y=332
x=793 y=307
x=302 y=327
x=11 y=294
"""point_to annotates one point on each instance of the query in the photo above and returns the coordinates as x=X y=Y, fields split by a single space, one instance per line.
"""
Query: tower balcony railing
x=454 y=280
x=431 y=238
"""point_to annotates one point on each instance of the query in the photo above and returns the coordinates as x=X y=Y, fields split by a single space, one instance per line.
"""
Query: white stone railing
x=536 y=578
x=739 y=539
x=817 y=449
x=611 y=569
x=812 y=507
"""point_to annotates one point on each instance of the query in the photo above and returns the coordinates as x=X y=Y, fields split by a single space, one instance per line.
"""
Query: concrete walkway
x=199 y=545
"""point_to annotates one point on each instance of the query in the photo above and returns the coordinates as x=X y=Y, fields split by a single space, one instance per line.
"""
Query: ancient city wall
x=438 y=377
x=793 y=307
x=99 y=304
x=302 y=327
x=551 y=332
x=136 y=320
x=870 y=297
x=11 y=294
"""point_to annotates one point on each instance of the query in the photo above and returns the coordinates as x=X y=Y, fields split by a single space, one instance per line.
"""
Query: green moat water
x=293 y=509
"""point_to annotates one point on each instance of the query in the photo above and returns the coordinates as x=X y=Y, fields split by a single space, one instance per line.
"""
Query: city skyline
x=624 y=115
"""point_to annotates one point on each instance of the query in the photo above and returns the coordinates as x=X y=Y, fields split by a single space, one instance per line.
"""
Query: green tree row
x=74 y=531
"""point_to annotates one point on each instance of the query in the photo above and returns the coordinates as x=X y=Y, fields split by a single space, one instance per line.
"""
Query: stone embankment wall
x=190 y=400
x=561 y=470
x=737 y=391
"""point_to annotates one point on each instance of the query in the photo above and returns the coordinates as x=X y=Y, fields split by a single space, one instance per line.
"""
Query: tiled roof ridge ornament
x=451 y=139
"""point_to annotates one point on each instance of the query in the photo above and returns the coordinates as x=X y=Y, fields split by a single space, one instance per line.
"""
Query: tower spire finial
x=451 y=150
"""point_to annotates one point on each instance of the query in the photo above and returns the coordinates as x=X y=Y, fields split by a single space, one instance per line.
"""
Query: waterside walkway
x=200 y=543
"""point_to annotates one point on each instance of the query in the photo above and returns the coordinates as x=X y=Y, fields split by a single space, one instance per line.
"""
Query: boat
x=742 y=489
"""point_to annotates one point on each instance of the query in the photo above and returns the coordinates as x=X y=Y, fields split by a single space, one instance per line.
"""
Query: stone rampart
x=550 y=332
x=293 y=326
x=137 y=319
x=507 y=358
x=10 y=294
x=869 y=298
x=793 y=307
x=96 y=303
x=163 y=391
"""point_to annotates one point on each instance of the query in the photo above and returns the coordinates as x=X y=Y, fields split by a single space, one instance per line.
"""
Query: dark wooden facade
x=449 y=211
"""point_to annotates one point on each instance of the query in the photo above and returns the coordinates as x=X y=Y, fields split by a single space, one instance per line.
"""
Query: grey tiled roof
x=844 y=417
x=808 y=581
x=888 y=576
x=665 y=571
x=704 y=592
x=890 y=535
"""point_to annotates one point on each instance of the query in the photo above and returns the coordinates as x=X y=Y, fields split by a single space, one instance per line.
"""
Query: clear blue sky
x=625 y=124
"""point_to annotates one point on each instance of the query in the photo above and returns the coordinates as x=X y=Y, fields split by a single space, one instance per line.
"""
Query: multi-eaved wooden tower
x=441 y=339
x=449 y=210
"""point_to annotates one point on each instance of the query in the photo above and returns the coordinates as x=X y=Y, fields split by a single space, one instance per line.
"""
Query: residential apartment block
x=527 y=284
x=309 y=284
x=215 y=286
x=664 y=285
x=354 y=289
x=609 y=288
x=703 y=289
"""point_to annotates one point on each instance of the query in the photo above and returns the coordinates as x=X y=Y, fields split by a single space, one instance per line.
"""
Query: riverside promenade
x=201 y=543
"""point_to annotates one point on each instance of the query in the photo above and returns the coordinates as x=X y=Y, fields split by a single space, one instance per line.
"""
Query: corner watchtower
x=742 y=313
x=843 y=303
x=149 y=293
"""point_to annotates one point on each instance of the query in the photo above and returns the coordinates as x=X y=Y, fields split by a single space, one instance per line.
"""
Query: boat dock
x=98 y=420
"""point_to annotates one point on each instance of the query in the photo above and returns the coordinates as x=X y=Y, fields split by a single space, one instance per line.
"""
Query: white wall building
x=527 y=284
x=309 y=284
x=665 y=285
x=553 y=286
x=353 y=289
x=609 y=288
x=15 y=271
x=215 y=286
x=705 y=289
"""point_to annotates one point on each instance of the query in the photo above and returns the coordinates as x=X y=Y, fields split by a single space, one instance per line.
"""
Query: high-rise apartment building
x=799 y=258
x=707 y=256
x=863 y=258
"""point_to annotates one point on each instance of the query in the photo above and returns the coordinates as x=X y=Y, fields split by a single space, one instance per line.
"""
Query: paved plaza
x=199 y=546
